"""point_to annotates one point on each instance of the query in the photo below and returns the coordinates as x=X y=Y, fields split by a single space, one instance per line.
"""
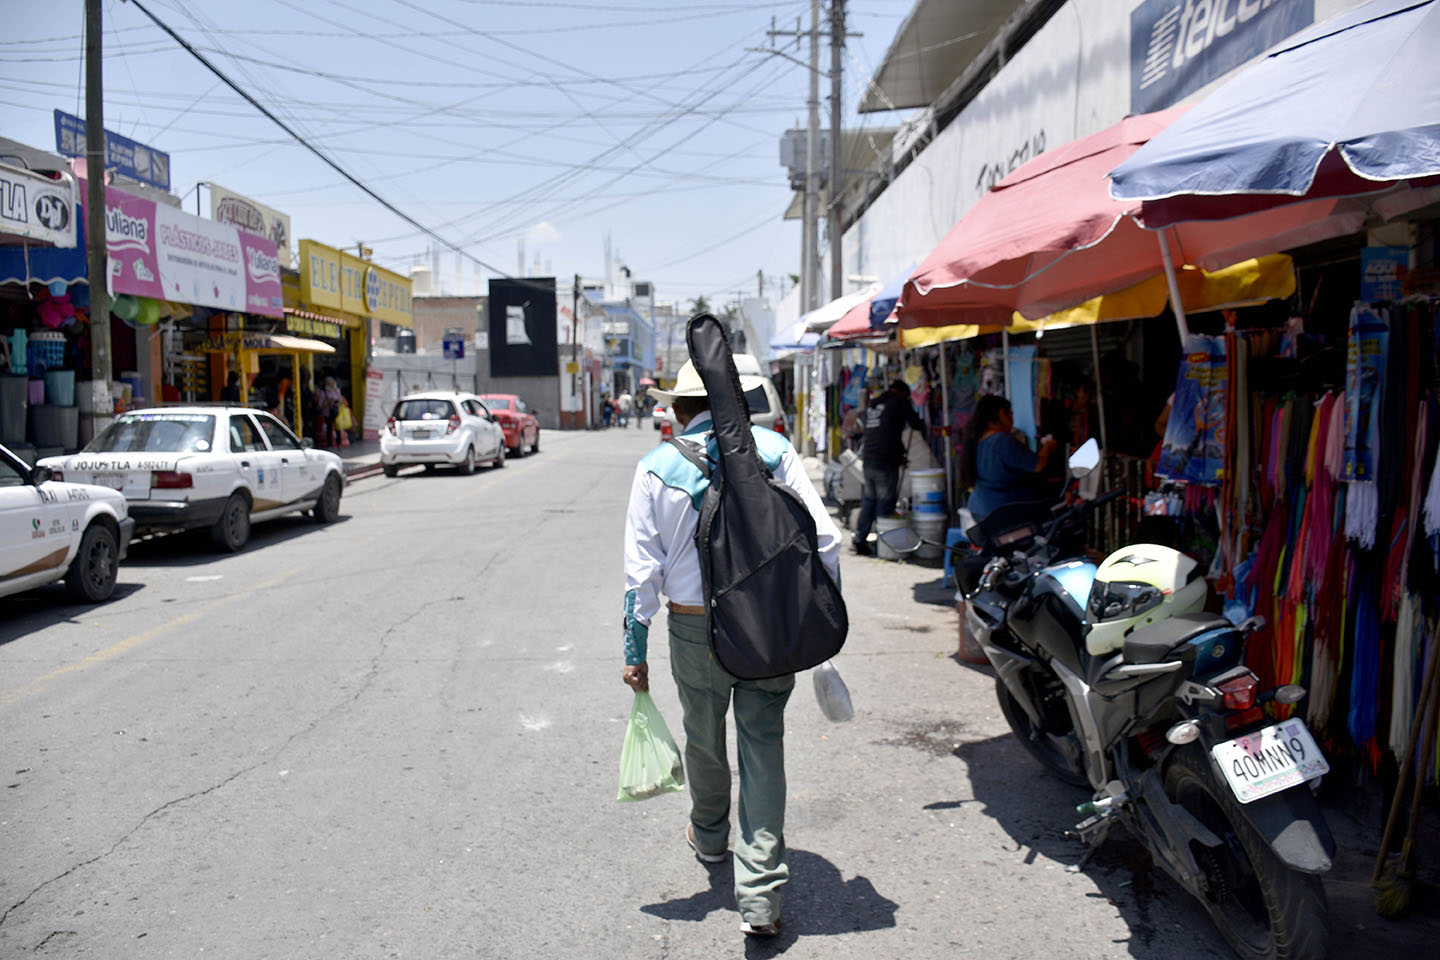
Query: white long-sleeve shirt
x=660 y=553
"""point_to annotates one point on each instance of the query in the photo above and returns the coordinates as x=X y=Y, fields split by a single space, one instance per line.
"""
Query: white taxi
x=51 y=531
x=220 y=467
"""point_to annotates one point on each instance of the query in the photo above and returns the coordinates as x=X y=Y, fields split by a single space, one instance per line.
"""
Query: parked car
x=658 y=415
x=220 y=467
x=760 y=393
x=521 y=427
x=441 y=428
x=51 y=531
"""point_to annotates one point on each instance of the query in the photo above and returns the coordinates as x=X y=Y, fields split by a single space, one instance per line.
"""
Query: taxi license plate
x=1270 y=760
x=115 y=481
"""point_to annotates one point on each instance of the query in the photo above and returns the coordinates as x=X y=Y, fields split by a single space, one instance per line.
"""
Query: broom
x=1394 y=875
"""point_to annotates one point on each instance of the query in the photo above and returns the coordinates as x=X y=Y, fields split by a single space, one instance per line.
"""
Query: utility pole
x=809 y=234
x=97 y=261
x=837 y=174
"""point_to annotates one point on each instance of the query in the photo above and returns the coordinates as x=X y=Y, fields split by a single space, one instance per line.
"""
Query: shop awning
x=794 y=339
x=263 y=343
x=317 y=317
x=1252 y=281
x=867 y=320
x=1049 y=236
x=822 y=318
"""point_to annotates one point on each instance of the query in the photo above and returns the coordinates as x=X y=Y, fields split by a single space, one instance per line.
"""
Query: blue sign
x=126 y=156
x=1382 y=274
x=454 y=347
x=1178 y=46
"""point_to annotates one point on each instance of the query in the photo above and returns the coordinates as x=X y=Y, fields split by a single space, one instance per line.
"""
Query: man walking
x=883 y=452
x=661 y=558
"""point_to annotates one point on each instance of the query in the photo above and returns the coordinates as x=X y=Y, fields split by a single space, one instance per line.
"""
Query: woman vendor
x=1001 y=468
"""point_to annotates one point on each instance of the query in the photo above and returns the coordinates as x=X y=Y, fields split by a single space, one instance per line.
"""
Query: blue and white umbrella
x=1348 y=107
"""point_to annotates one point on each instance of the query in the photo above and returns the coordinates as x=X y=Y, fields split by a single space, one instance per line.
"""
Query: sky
x=654 y=122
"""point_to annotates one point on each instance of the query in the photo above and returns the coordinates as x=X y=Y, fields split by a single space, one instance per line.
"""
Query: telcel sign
x=342 y=281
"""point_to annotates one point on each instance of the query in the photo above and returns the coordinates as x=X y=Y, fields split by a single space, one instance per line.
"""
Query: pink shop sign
x=162 y=252
x=130 y=241
x=263 y=294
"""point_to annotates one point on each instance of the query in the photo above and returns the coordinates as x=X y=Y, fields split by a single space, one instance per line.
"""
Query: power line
x=316 y=151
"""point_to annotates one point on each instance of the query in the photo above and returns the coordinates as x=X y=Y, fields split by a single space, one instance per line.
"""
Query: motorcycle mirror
x=901 y=540
x=1086 y=459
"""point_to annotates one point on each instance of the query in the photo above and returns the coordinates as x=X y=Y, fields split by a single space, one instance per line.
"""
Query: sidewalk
x=362 y=459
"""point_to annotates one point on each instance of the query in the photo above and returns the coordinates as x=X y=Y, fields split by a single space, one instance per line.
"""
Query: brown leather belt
x=682 y=608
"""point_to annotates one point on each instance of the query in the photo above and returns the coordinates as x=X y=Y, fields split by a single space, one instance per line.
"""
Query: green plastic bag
x=649 y=761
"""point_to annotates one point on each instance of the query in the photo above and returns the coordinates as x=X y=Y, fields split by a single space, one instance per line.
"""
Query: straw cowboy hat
x=687 y=384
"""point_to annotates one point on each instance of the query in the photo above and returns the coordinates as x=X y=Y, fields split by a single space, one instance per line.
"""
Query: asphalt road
x=398 y=736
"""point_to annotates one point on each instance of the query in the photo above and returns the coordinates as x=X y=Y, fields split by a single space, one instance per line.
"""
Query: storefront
x=341 y=300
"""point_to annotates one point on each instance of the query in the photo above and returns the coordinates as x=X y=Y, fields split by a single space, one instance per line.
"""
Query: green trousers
x=705 y=692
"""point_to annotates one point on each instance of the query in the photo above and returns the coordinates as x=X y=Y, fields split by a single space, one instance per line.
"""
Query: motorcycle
x=1111 y=684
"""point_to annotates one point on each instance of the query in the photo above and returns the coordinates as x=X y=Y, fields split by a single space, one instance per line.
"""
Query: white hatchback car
x=223 y=467
x=51 y=531
x=441 y=428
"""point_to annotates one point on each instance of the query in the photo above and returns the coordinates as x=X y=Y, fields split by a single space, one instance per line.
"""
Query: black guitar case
x=771 y=607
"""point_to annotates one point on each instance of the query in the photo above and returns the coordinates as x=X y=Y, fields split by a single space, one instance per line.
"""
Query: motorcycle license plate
x=1270 y=760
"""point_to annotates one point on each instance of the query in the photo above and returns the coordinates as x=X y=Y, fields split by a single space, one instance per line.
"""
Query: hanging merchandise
x=1022 y=390
x=1364 y=372
x=1194 y=446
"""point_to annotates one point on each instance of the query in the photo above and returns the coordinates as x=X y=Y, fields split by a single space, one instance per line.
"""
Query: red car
x=519 y=424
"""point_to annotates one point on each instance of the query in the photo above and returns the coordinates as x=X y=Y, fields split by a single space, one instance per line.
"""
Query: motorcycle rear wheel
x=1045 y=747
x=1265 y=910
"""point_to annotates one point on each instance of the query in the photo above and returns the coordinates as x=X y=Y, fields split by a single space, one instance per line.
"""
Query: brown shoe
x=760 y=929
x=706 y=857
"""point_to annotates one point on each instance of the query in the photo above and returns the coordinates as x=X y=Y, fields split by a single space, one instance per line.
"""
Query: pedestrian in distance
x=625 y=406
x=661 y=557
x=607 y=410
x=230 y=393
x=882 y=451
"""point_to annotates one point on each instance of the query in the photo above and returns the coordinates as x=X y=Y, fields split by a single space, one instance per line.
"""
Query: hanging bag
x=771 y=607
x=649 y=760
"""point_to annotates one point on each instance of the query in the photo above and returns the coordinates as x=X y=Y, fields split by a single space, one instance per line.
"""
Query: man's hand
x=637 y=676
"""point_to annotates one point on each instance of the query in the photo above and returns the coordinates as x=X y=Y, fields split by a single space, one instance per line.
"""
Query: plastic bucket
x=929 y=527
x=35 y=393
x=60 y=387
x=927 y=492
x=53 y=426
x=884 y=525
x=13 y=404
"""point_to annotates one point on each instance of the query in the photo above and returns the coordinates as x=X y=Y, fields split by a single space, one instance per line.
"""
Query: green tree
x=699 y=305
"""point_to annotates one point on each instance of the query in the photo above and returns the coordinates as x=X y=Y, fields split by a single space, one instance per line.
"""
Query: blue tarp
x=43 y=264
x=884 y=302
x=1365 y=83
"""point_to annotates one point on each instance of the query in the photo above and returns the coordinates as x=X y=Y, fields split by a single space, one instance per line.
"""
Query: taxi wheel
x=327 y=508
x=467 y=466
x=389 y=469
x=92 y=574
x=232 y=531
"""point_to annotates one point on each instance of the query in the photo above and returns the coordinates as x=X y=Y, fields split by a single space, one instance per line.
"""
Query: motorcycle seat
x=1158 y=641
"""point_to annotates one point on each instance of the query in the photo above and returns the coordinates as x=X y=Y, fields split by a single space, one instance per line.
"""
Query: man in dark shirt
x=883 y=452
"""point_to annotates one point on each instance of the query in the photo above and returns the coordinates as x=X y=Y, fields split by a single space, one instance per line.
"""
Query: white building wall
x=1071 y=80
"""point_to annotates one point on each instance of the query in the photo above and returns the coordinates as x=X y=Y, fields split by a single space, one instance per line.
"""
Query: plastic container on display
x=885 y=525
x=60 y=387
x=46 y=351
x=137 y=387
x=35 y=392
x=927 y=492
x=52 y=426
x=13 y=406
x=930 y=527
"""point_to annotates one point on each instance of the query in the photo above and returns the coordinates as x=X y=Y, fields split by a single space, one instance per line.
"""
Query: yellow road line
x=130 y=643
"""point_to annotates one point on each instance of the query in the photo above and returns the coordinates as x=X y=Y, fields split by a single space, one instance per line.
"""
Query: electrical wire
x=320 y=154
